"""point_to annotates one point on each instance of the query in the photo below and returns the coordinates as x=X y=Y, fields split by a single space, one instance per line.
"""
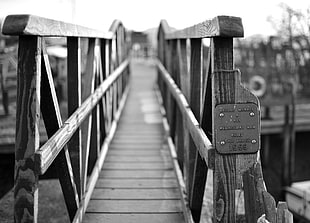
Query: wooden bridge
x=141 y=136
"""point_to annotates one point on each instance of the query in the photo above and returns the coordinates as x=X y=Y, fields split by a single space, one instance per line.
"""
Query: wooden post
x=27 y=129
x=228 y=169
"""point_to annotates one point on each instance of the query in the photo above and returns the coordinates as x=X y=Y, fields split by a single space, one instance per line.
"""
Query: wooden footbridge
x=140 y=136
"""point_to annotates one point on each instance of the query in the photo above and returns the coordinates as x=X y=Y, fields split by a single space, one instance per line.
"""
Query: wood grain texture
x=228 y=169
x=27 y=129
x=131 y=174
x=137 y=183
x=220 y=26
x=134 y=218
x=40 y=26
x=134 y=206
x=141 y=194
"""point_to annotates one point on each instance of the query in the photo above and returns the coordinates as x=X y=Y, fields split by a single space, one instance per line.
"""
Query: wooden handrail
x=48 y=152
x=40 y=26
x=207 y=100
x=105 y=80
x=220 y=26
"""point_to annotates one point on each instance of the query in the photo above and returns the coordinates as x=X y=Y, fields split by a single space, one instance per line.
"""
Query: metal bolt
x=222 y=115
x=222 y=143
x=252 y=114
x=253 y=141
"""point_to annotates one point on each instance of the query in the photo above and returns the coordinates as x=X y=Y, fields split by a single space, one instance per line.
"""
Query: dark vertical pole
x=27 y=129
x=74 y=101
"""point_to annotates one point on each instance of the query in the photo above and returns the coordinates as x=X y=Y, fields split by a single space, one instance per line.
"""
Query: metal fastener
x=254 y=141
x=222 y=115
x=252 y=114
x=222 y=143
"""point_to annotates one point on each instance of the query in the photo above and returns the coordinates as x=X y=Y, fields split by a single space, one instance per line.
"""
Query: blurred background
x=273 y=56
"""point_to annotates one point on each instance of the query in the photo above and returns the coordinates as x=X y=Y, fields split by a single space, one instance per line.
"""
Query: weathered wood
x=135 y=206
x=27 y=129
x=39 y=26
x=140 y=194
x=220 y=26
x=74 y=101
x=282 y=206
x=132 y=218
x=53 y=121
x=47 y=153
x=270 y=207
x=201 y=140
x=138 y=166
x=98 y=165
x=228 y=169
x=145 y=174
x=137 y=183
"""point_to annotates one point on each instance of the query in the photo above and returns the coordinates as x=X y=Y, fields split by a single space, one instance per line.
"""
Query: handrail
x=40 y=26
x=207 y=100
x=105 y=87
x=221 y=26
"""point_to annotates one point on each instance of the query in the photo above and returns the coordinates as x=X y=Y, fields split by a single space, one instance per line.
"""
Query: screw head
x=252 y=114
x=254 y=141
x=222 y=115
x=222 y=143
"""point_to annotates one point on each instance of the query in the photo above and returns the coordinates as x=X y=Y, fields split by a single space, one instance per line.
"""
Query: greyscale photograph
x=115 y=111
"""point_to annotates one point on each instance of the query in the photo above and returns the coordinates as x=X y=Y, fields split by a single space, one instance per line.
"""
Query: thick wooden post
x=27 y=129
x=228 y=193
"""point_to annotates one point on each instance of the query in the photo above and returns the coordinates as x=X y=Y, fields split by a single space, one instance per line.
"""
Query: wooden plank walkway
x=137 y=182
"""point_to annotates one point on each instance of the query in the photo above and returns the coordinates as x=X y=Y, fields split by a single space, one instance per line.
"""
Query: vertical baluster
x=199 y=165
x=74 y=101
x=27 y=129
x=173 y=73
x=184 y=86
x=52 y=119
x=102 y=76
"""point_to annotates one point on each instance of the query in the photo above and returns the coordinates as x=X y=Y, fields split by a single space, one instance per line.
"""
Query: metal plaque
x=237 y=128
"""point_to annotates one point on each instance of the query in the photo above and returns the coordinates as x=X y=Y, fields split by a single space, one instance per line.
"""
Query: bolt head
x=254 y=141
x=252 y=114
x=222 y=143
x=222 y=115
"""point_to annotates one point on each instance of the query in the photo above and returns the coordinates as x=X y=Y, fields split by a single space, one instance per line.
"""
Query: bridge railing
x=77 y=145
x=214 y=123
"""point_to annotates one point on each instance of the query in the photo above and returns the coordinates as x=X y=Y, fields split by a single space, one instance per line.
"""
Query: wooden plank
x=136 y=183
x=134 y=218
x=27 y=129
x=137 y=159
x=143 y=174
x=134 y=206
x=220 y=26
x=74 y=101
x=137 y=166
x=39 y=26
x=139 y=152
x=140 y=194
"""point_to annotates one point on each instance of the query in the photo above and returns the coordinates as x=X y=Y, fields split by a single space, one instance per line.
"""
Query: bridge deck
x=137 y=182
